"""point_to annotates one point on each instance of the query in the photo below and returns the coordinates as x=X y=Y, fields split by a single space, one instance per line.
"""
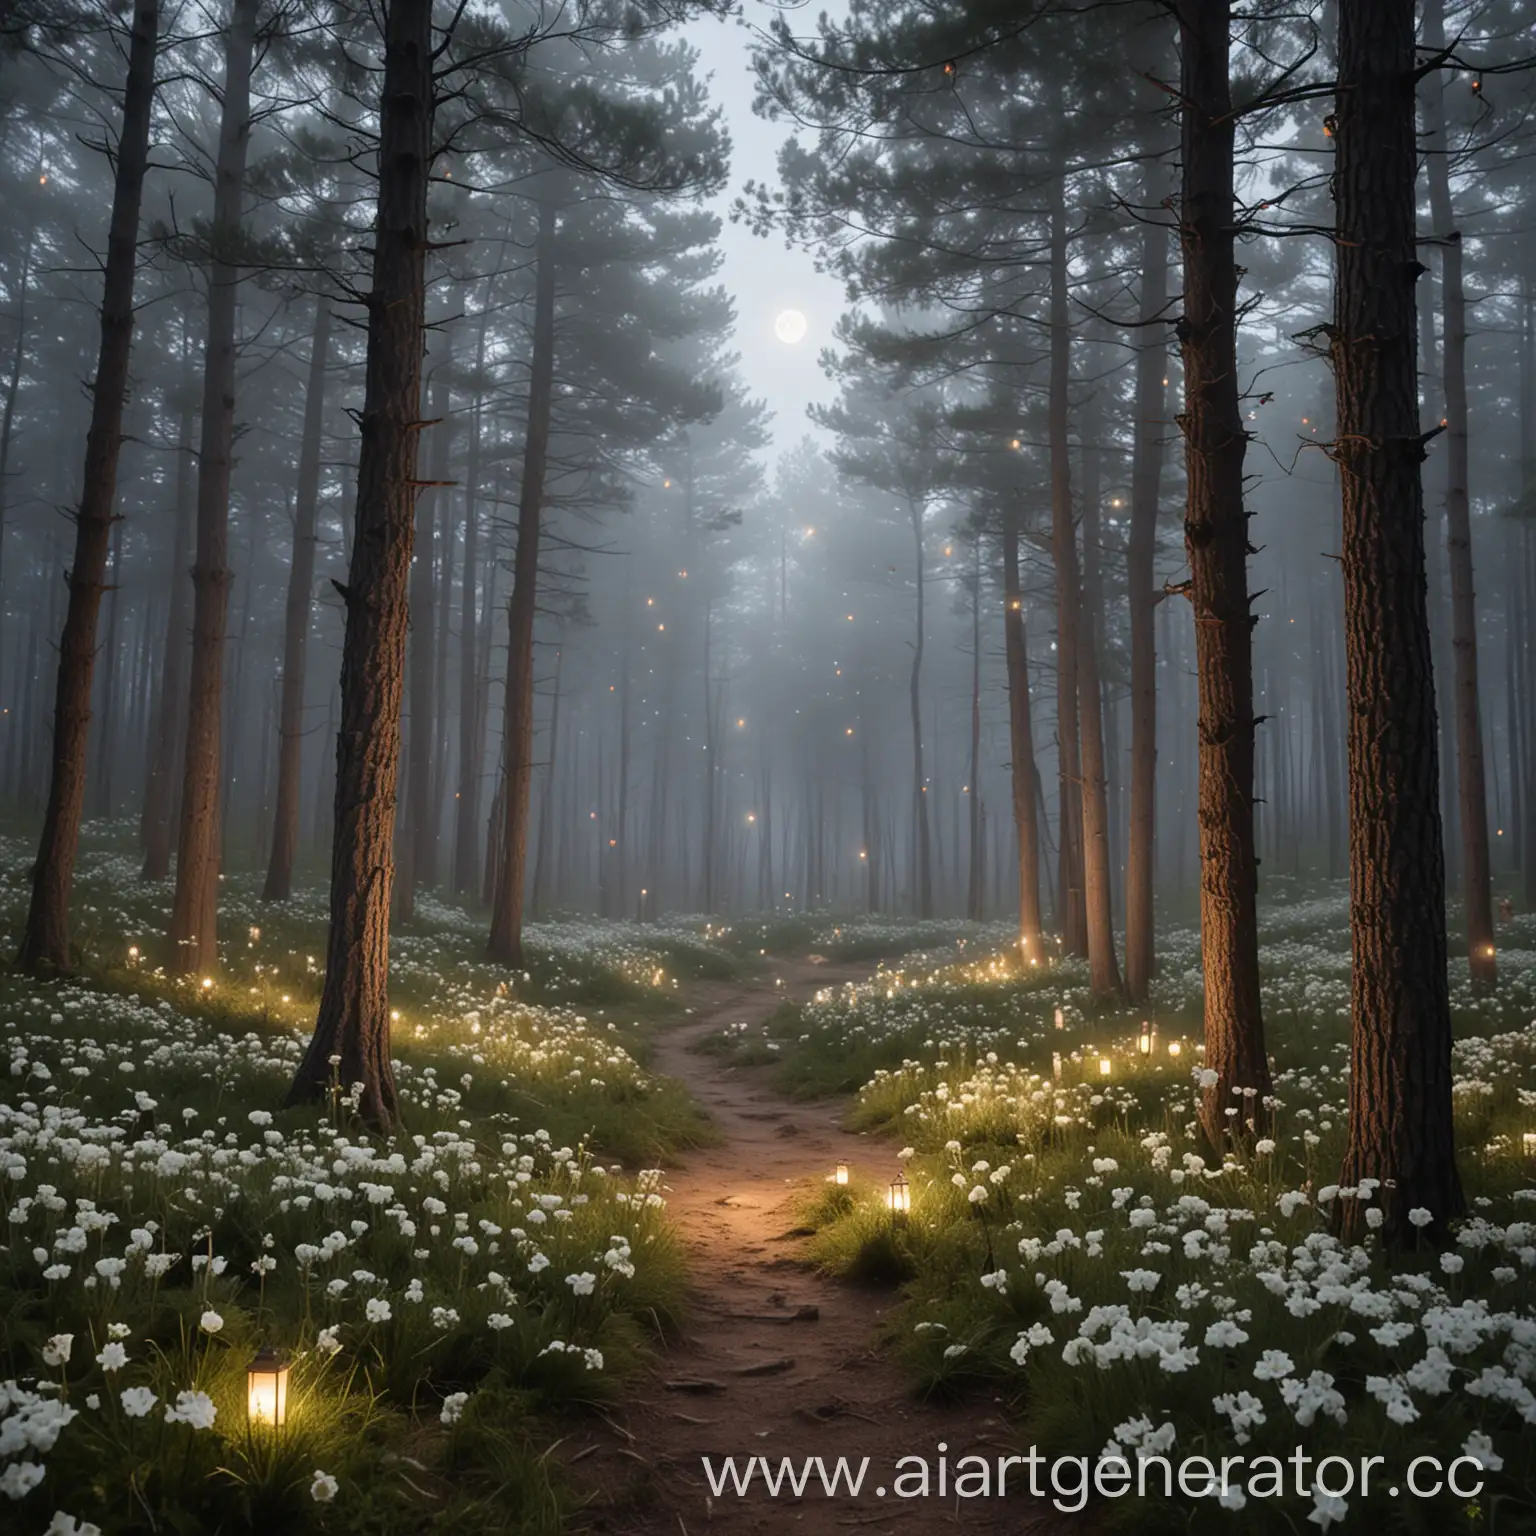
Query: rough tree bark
x=160 y=782
x=1216 y=539
x=974 y=891
x=419 y=824
x=1401 y=1129
x=921 y=838
x=13 y=388
x=45 y=939
x=1141 y=548
x=107 y=744
x=1068 y=596
x=466 y=829
x=1098 y=904
x=505 y=943
x=1021 y=741
x=301 y=588
x=1471 y=778
x=195 y=909
x=353 y=1022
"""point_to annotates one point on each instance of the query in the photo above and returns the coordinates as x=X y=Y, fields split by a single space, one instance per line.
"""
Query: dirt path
x=748 y=1379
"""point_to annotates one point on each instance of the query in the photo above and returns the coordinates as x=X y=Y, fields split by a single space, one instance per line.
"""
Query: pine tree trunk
x=1471 y=782
x=418 y=829
x=973 y=891
x=1141 y=549
x=621 y=798
x=170 y=714
x=1401 y=1128
x=13 y=392
x=441 y=706
x=710 y=857
x=1072 y=913
x=1103 y=969
x=353 y=1022
x=505 y=943
x=108 y=743
x=922 y=847
x=1216 y=539
x=301 y=589
x=1023 y=774
x=539 y=896
x=195 y=910
x=466 y=832
x=45 y=940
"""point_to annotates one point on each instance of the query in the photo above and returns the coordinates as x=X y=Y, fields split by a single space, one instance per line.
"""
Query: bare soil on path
x=777 y=1361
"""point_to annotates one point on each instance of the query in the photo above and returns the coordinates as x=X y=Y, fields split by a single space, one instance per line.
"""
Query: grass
x=448 y=1298
x=1074 y=1247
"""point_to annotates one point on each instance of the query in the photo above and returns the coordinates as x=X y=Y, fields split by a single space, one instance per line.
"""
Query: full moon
x=790 y=326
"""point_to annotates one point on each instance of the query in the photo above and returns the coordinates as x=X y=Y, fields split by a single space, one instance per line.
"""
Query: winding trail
x=756 y=1374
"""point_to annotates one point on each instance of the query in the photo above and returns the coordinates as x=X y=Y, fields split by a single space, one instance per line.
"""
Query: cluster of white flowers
x=1141 y=1249
x=113 y=1200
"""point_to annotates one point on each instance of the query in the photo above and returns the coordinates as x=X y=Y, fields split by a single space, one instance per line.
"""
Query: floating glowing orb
x=790 y=327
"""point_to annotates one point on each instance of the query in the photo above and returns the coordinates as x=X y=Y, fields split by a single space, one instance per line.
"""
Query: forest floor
x=777 y=1361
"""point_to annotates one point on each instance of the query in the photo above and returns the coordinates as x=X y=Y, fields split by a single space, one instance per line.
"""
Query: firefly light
x=266 y=1389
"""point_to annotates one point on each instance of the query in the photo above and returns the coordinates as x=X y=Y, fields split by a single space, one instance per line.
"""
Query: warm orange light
x=898 y=1197
x=266 y=1389
x=841 y=1174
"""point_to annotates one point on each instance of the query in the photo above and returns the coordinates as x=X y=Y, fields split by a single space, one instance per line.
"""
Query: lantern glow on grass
x=266 y=1389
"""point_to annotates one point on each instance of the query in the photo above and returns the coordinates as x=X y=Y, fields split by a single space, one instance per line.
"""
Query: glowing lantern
x=1055 y=1063
x=1061 y=1019
x=1148 y=1038
x=841 y=1176
x=266 y=1389
x=1106 y=1066
x=1174 y=1048
x=899 y=1196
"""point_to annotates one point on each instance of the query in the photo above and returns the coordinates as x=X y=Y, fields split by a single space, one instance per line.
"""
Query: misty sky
x=764 y=277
